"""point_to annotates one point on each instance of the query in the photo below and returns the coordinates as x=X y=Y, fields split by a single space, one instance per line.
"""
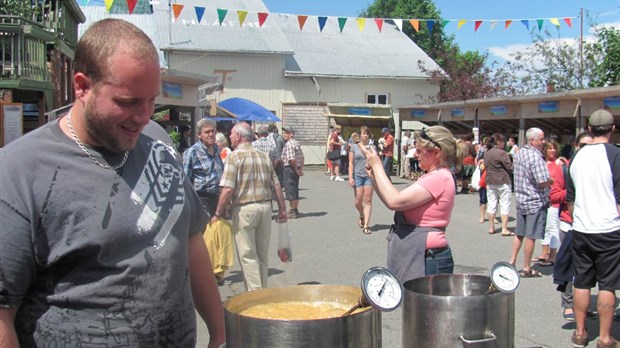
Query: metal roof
x=353 y=53
x=186 y=34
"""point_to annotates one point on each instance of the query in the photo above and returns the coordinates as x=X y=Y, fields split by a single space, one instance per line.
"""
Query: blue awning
x=247 y=110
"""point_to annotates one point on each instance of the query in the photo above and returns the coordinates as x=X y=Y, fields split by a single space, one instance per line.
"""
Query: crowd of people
x=90 y=263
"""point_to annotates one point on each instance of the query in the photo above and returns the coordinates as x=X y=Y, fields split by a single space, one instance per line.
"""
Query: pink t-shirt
x=437 y=212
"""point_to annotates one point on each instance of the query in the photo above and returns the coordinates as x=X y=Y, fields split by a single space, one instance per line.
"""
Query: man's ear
x=82 y=85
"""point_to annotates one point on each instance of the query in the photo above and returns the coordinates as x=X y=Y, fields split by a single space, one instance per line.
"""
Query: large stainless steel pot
x=456 y=310
x=358 y=330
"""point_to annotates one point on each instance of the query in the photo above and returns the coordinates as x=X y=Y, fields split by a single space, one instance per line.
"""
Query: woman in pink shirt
x=417 y=244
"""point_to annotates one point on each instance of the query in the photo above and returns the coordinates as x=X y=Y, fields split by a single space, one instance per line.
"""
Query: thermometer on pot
x=380 y=289
x=504 y=277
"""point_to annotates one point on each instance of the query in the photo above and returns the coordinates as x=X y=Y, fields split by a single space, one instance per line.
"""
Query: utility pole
x=581 y=49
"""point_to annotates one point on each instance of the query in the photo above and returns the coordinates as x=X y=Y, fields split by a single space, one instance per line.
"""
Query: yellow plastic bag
x=219 y=240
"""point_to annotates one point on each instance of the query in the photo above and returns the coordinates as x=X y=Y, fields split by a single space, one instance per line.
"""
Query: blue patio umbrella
x=247 y=110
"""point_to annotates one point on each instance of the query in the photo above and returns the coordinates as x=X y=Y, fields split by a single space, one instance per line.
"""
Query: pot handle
x=491 y=338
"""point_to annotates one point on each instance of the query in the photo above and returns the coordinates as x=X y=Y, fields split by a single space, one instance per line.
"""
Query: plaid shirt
x=530 y=169
x=265 y=145
x=250 y=174
x=292 y=151
x=203 y=169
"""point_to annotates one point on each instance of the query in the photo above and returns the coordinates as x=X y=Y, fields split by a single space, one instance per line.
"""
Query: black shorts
x=596 y=258
x=291 y=184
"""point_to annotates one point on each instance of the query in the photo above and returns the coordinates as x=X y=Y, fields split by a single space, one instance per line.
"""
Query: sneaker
x=579 y=341
x=611 y=344
x=293 y=214
x=339 y=179
x=331 y=177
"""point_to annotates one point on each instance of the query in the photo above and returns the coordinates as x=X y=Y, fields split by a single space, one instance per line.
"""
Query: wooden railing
x=23 y=49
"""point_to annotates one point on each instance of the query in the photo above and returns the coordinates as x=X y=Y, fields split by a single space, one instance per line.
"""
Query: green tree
x=604 y=57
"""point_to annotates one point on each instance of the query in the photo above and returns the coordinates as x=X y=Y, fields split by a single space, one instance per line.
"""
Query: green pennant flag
x=444 y=23
x=221 y=14
x=540 y=23
x=341 y=22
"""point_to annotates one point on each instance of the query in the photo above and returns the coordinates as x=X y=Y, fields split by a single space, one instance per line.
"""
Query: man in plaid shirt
x=532 y=182
x=293 y=159
x=265 y=145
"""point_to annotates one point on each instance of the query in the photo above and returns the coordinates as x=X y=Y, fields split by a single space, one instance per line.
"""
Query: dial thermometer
x=381 y=289
x=504 y=277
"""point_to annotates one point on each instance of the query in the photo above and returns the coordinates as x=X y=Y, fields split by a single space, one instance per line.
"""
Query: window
x=377 y=99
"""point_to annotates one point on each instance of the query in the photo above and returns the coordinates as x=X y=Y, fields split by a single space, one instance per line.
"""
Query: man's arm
x=222 y=203
x=8 y=336
x=282 y=217
x=204 y=291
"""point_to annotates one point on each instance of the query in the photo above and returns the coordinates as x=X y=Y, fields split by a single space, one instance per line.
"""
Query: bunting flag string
x=177 y=9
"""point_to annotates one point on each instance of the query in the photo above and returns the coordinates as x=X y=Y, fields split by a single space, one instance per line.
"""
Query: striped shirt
x=530 y=170
x=266 y=146
x=250 y=174
x=202 y=169
x=292 y=151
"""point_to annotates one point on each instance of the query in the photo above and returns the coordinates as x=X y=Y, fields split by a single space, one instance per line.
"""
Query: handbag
x=333 y=155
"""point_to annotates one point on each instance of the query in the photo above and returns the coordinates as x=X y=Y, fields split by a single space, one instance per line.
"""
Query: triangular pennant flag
x=399 y=24
x=568 y=22
x=108 y=4
x=477 y=25
x=379 y=22
x=540 y=23
x=262 y=17
x=554 y=21
x=177 y=9
x=526 y=23
x=444 y=23
x=461 y=22
x=341 y=22
x=415 y=24
x=221 y=14
x=242 y=15
x=492 y=25
x=508 y=23
x=131 y=5
x=430 y=24
x=361 y=22
x=200 y=11
x=283 y=17
x=84 y=2
x=302 y=21
x=322 y=21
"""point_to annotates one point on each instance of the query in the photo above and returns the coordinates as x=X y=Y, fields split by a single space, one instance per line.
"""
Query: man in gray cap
x=593 y=196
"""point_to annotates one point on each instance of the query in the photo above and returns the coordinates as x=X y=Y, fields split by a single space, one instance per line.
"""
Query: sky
x=499 y=42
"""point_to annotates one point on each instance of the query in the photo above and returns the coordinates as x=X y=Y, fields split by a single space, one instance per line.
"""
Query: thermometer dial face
x=505 y=277
x=381 y=289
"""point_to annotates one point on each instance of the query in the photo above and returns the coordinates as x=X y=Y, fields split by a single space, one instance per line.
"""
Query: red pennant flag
x=302 y=21
x=568 y=22
x=477 y=25
x=262 y=17
x=131 y=5
x=176 y=9
x=379 y=22
x=508 y=22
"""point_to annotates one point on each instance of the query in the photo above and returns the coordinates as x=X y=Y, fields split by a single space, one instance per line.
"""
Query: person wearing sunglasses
x=417 y=242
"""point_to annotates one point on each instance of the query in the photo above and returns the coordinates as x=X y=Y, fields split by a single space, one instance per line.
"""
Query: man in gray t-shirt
x=100 y=229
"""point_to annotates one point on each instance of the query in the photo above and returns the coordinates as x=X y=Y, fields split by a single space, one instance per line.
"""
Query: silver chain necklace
x=81 y=146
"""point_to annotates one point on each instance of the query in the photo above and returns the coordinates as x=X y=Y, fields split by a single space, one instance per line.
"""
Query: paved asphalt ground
x=329 y=248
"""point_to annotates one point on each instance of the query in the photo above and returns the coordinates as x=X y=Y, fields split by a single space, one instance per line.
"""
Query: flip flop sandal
x=539 y=259
x=546 y=263
x=366 y=230
x=508 y=234
x=360 y=222
x=530 y=273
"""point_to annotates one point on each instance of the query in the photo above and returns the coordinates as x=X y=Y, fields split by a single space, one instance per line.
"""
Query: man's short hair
x=533 y=133
x=102 y=39
x=263 y=131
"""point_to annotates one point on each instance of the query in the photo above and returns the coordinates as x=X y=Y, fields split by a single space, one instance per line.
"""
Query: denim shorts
x=439 y=262
x=361 y=181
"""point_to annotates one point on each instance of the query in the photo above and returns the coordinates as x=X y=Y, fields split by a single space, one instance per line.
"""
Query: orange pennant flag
x=262 y=17
x=568 y=22
x=477 y=25
x=302 y=21
x=242 y=15
x=131 y=5
x=415 y=24
x=360 y=23
x=508 y=22
x=176 y=9
x=461 y=22
x=379 y=22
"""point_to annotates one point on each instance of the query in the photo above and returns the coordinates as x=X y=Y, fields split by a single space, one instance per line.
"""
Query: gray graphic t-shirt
x=93 y=256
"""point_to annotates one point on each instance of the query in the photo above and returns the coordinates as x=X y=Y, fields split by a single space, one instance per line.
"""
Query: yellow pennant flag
x=555 y=22
x=242 y=15
x=461 y=22
x=360 y=23
x=108 y=4
x=415 y=24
